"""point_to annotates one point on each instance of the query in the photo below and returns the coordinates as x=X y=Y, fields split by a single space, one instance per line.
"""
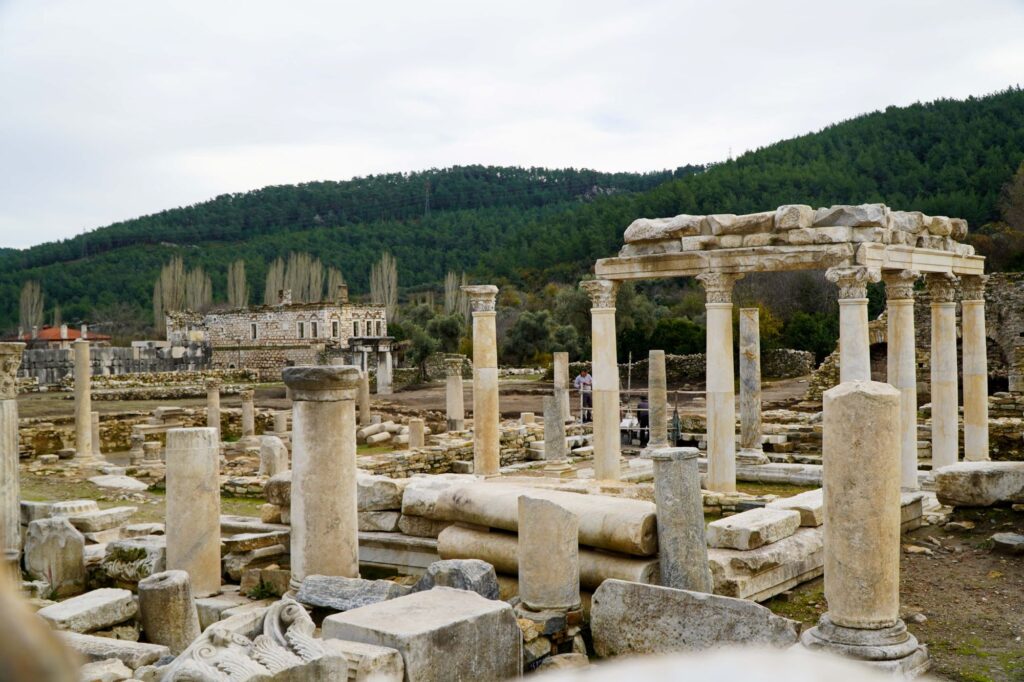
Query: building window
x=335 y=329
x=378 y=329
x=355 y=328
x=302 y=330
x=314 y=329
x=252 y=330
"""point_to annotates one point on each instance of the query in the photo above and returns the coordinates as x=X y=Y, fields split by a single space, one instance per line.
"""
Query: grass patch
x=780 y=489
x=805 y=605
x=374 y=449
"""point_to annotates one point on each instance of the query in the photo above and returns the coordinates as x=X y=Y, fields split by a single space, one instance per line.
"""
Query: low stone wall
x=784 y=363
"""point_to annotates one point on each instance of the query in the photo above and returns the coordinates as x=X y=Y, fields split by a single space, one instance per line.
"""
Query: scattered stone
x=980 y=484
x=235 y=564
x=273 y=456
x=461 y=574
x=960 y=525
x=71 y=507
x=110 y=670
x=247 y=542
x=137 y=530
x=54 y=552
x=1008 y=543
x=917 y=549
x=379 y=521
x=132 y=654
x=278 y=489
x=91 y=611
x=118 y=483
x=564 y=662
x=100 y=520
x=379 y=493
x=133 y=559
x=809 y=504
x=166 y=610
x=419 y=527
x=343 y=594
x=752 y=529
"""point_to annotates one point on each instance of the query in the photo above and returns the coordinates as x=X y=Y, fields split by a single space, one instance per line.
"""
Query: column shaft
x=901 y=366
x=454 y=403
x=193 y=507
x=682 y=548
x=213 y=405
x=560 y=362
x=657 y=400
x=486 y=414
x=606 y=395
x=83 y=400
x=945 y=425
x=751 y=450
x=975 y=364
x=721 y=400
x=10 y=490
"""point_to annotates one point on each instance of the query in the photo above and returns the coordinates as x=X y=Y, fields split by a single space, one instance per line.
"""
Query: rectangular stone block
x=379 y=493
x=96 y=610
x=980 y=484
x=809 y=504
x=769 y=570
x=752 y=529
x=132 y=654
x=379 y=521
x=482 y=640
x=104 y=519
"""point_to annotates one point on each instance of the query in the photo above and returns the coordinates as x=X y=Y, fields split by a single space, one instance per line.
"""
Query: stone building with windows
x=269 y=338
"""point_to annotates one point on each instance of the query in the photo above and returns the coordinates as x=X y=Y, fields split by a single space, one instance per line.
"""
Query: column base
x=751 y=456
x=559 y=468
x=652 y=447
x=891 y=649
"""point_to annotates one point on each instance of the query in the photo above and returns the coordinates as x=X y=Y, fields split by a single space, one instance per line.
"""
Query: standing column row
x=486 y=415
x=606 y=378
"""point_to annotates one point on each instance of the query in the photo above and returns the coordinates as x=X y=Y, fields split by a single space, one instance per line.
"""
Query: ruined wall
x=51 y=366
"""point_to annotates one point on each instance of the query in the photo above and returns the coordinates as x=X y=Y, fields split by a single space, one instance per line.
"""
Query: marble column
x=751 y=450
x=720 y=391
x=975 y=364
x=364 y=399
x=605 y=374
x=854 y=353
x=682 y=547
x=213 y=385
x=325 y=524
x=280 y=422
x=94 y=431
x=10 y=491
x=486 y=415
x=560 y=366
x=83 y=400
x=417 y=438
x=455 y=409
x=657 y=401
x=384 y=373
x=549 y=562
x=556 y=452
x=945 y=426
x=861 y=488
x=248 y=413
x=901 y=365
x=193 y=507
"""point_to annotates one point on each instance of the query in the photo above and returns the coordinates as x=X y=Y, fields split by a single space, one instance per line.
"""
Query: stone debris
x=99 y=520
x=54 y=553
x=980 y=484
x=110 y=670
x=130 y=560
x=118 y=483
x=96 y=610
x=166 y=610
x=379 y=521
x=809 y=504
x=752 y=529
x=343 y=594
x=132 y=654
x=1008 y=543
x=461 y=574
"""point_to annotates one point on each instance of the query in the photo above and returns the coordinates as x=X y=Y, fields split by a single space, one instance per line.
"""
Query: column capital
x=972 y=287
x=321 y=383
x=247 y=394
x=481 y=297
x=853 y=281
x=10 y=361
x=899 y=284
x=941 y=286
x=453 y=365
x=212 y=383
x=602 y=292
x=718 y=285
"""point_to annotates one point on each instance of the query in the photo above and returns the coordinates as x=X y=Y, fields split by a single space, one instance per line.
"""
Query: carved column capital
x=602 y=292
x=941 y=286
x=213 y=383
x=899 y=284
x=972 y=287
x=453 y=365
x=853 y=281
x=718 y=286
x=481 y=297
x=247 y=395
x=10 y=361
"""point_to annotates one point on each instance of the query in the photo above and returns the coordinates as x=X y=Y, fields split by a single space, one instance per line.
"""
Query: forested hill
x=532 y=226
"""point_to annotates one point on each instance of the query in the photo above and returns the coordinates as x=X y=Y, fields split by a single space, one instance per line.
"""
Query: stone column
x=605 y=377
x=136 y=450
x=721 y=396
x=193 y=507
x=854 y=354
x=364 y=399
x=325 y=524
x=248 y=413
x=213 y=385
x=682 y=548
x=417 y=438
x=83 y=400
x=94 y=431
x=975 y=368
x=281 y=422
x=555 y=447
x=456 y=411
x=167 y=611
x=560 y=363
x=486 y=416
x=657 y=400
x=861 y=488
x=549 y=562
x=10 y=491
x=384 y=373
x=751 y=450
x=901 y=365
x=945 y=426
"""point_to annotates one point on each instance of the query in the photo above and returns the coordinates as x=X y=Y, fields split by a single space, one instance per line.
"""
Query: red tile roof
x=48 y=333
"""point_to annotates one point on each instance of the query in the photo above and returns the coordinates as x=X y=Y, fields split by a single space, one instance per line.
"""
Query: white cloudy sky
x=110 y=109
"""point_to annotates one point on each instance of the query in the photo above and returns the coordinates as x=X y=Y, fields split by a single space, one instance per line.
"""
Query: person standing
x=584 y=383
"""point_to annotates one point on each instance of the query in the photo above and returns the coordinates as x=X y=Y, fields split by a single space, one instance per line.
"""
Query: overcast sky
x=110 y=109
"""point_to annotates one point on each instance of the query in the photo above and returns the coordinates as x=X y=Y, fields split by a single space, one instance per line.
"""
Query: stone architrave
x=751 y=451
x=325 y=522
x=10 y=490
x=549 y=562
x=657 y=401
x=213 y=385
x=682 y=548
x=945 y=424
x=721 y=396
x=605 y=365
x=861 y=484
x=560 y=367
x=193 y=507
x=83 y=400
x=454 y=407
x=273 y=456
x=555 y=446
x=901 y=365
x=94 y=431
x=854 y=354
x=365 y=418
x=54 y=552
x=417 y=438
x=167 y=611
x=486 y=414
x=248 y=413
x=975 y=368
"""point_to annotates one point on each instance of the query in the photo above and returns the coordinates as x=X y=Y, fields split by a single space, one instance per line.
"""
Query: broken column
x=721 y=396
x=280 y=422
x=417 y=438
x=901 y=365
x=83 y=400
x=945 y=426
x=975 y=368
x=364 y=399
x=213 y=385
x=854 y=354
x=455 y=411
x=861 y=487
x=549 y=564
x=94 y=431
x=682 y=548
x=605 y=377
x=325 y=524
x=560 y=367
x=751 y=451
x=10 y=490
x=166 y=610
x=486 y=416
x=273 y=456
x=248 y=413
x=657 y=401
x=384 y=373
x=555 y=447
x=193 y=506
